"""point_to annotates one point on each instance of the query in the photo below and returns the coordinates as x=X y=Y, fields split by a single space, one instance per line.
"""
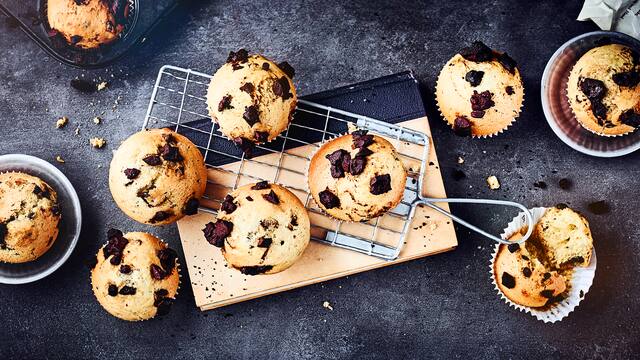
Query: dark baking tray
x=30 y=17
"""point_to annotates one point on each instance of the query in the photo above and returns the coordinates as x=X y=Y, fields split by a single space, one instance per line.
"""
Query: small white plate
x=70 y=224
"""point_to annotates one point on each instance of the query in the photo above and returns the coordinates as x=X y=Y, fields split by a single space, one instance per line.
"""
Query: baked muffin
x=261 y=228
x=251 y=98
x=479 y=91
x=29 y=217
x=157 y=176
x=603 y=90
x=135 y=276
x=357 y=177
x=87 y=23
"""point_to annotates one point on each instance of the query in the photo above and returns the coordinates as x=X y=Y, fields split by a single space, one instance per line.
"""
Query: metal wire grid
x=178 y=102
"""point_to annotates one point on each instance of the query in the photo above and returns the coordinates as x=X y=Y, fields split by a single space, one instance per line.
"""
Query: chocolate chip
x=546 y=293
x=153 y=160
x=294 y=220
x=626 y=79
x=592 y=88
x=265 y=66
x=251 y=115
x=357 y=165
x=3 y=234
x=599 y=110
x=225 y=103
x=339 y=160
x=163 y=305
x=55 y=209
x=576 y=260
x=75 y=39
x=191 y=207
x=261 y=185
x=160 y=293
x=249 y=198
x=261 y=136
x=157 y=273
x=83 y=85
x=507 y=63
x=160 y=216
x=477 y=52
x=264 y=242
x=361 y=139
x=526 y=272
x=513 y=247
x=364 y=152
x=271 y=197
x=112 y=290
x=115 y=246
x=227 y=205
x=244 y=144
x=481 y=101
x=247 y=87
x=127 y=290
x=477 y=114
x=509 y=90
x=525 y=257
x=458 y=175
x=474 y=78
x=215 y=233
x=170 y=153
x=546 y=276
x=561 y=206
x=239 y=56
x=462 y=126
x=508 y=281
x=336 y=172
x=269 y=223
x=287 y=69
x=131 y=173
x=42 y=193
x=167 y=258
x=255 y=270
x=282 y=88
x=540 y=184
x=125 y=269
x=564 y=183
x=631 y=118
x=599 y=207
x=328 y=199
x=380 y=184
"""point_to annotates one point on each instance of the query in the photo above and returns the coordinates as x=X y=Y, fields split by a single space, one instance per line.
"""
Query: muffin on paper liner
x=578 y=283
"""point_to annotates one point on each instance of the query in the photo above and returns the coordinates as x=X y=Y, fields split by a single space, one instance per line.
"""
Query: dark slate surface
x=441 y=307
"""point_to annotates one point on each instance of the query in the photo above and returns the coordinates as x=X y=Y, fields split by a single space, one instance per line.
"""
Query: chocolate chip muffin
x=157 y=176
x=357 y=177
x=135 y=276
x=251 y=98
x=29 y=217
x=603 y=90
x=479 y=91
x=261 y=228
x=87 y=24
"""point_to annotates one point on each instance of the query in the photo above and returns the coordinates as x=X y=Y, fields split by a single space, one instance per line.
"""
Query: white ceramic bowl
x=70 y=223
x=556 y=105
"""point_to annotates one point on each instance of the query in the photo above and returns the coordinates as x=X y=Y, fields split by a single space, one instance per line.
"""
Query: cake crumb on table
x=460 y=160
x=97 y=142
x=326 y=305
x=493 y=182
x=97 y=120
x=60 y=123
x=60 y=159
x=103 y=85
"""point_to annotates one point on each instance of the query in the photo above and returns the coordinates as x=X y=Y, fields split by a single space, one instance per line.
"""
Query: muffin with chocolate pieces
x=261 y=228
x=136 y=276
x=479 y=91
x=157 y=176
x=357 y=177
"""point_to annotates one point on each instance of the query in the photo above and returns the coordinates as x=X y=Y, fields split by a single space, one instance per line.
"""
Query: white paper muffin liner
x=577 y=288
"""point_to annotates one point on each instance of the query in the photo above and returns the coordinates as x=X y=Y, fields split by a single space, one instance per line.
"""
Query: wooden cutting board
x=215 y=284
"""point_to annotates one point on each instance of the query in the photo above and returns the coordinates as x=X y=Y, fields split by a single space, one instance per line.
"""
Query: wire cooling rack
x=178 y=101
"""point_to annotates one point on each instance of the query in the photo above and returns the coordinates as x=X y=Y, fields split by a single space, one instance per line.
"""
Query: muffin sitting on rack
x=251 y=98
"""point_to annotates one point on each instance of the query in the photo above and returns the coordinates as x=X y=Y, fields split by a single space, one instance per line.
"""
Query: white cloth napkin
x=617 y=15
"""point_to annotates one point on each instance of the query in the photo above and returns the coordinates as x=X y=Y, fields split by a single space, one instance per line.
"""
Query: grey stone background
x=438 y=307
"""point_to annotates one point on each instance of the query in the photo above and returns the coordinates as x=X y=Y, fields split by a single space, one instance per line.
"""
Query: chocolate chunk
x=112 y=290
x=239 y=56
x=227 y=205
x=546 y=293
x=477 y=114
x=380 y=184
x=626 y=79
x=247 y=87
x=357 y=165
x=564 y=183
x=540 y=184
x=328 y=199
x=163 y=305
x=265 y=66
x=481 y=101
x=55 y=209
x=244 y=144
x=477 y=52
x=335 y=158
x=169 y=139
x=261 y=185
x=75 y=39
x=561 y=206
x=236 y=66
x=361 y=139
x=191 y=207
x=592 y=88
x=153 y=160
x=631 y=118
x=115 y=246
x=83 y=85
x=462 y=126
x=125 y=269
x=251 y=115
x=249 y=198
x=167 y=259
x=287 y=69
x=364 y=152
x=546 y=276
x=576 y=260
x=160 y=216
x=170 y=153
x=269 y=223
x=255 y=270
x=131 y=173
x=160 y=293
x=261 y=136
x=507 y=63
x=42 y=193
x=526 y=272
x=339 y=160
x=509 y=90
x=3 y=234
x=127 y=290
x=599 y=110
x=525 y=257
x=282 y=88
x=336 y=172
x=508 y=281
x=157 y=273
x=215 y=233
x=225 y=103
x=271 y=197
x=294 y=220
x=513 y=247
x=474 y=77
x=599 y=207
x=264 y=242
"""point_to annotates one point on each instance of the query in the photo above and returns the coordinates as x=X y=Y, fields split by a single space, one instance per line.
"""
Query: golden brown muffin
x=357 y=177
x=87 y=23
x=251 y=98
x=29 y=217
x=261 y=228
x=479 y=91
x=135 y=276
x=603 y=90
x=157 y=176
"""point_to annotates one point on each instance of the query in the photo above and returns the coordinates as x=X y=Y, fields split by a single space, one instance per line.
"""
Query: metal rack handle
x=430 y=202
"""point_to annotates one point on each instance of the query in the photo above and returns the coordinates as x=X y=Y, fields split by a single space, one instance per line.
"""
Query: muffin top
x=251 y=98
x=157 y=176
x=479 y=91
x=603 y=90
x=29 y=217
x=261 y=228
x=87 y=23
x=357 y=177
x=135 y=276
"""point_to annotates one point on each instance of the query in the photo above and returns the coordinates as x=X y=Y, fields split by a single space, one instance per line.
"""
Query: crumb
x=97 y=120
x=351 y=127
x=460 y=160
x=326 y=305
x=97 y=143
x=59 y=159
x=77 y=132
x=433 y=226
x=493 y=182
x=60 y=123
x=102 y=85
